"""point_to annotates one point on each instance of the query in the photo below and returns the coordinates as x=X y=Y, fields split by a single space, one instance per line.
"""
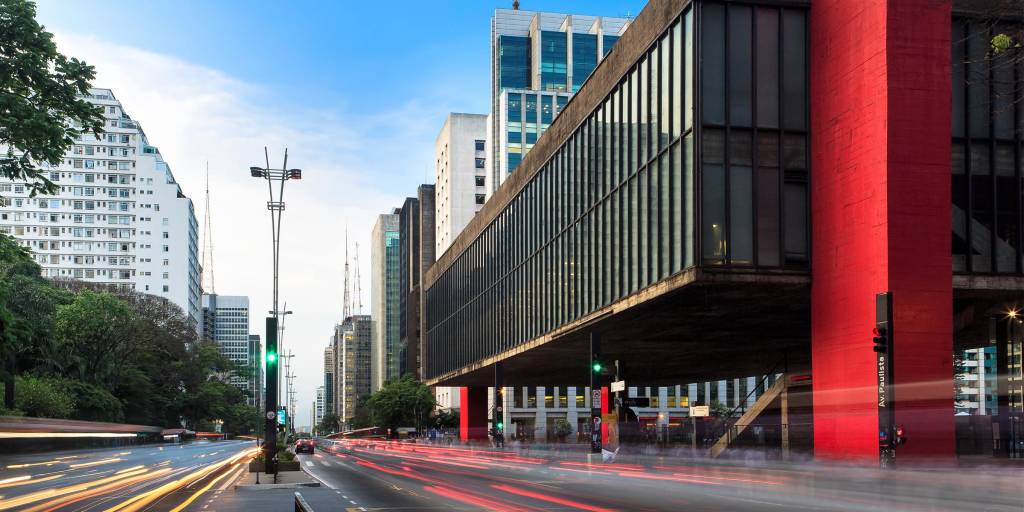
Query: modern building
x=416 y=235
x=460 y=171
x=352 y=349
x=385 y=299
x=226 y=323
x=329 y=373
x=538 y=60
x=667 y=218
x=977 y=382
x=256 y=368
x=119 y=217
x=319 y=407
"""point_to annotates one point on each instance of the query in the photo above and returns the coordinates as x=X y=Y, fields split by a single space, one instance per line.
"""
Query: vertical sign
x=884 y=370
x=595 y=390
x=270 y=403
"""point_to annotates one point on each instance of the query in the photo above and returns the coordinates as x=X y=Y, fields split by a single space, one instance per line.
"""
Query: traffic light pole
x=270 y=414
x=883 y=347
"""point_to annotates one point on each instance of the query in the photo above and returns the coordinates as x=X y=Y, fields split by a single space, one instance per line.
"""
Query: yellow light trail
x=198 y=493
x=70 y=499
x=95 y=463
x=26 y=479
x=45 y=435
x=34 y=464
x=53 y=493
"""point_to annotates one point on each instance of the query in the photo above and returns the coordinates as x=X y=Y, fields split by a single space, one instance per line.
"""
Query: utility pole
x=276 y=207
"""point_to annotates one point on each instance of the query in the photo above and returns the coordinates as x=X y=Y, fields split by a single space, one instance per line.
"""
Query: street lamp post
x=276 y=207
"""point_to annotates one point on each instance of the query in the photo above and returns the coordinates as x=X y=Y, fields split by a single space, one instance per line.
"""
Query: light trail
x=53 y=493
x=200 y=492
x=95 y=463
x=47 y=435
x=473 y=499
x=96 y=491
x=26 y=479
x=550 y=499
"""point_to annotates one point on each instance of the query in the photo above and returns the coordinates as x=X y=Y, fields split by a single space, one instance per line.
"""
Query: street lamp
x=276 y=207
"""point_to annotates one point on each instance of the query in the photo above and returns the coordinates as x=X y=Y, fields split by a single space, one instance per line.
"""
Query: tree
x=94 y=337
x=43 y=398
x=562 y=429
x=41 y=114
x=403 y=402
x=329 y=424
x=446 y=418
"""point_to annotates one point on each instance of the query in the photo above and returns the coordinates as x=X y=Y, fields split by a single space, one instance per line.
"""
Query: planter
x=257 y=467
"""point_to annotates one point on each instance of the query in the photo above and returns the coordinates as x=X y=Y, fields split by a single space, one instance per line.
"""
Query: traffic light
x=501 y=426
x=596 y=366
x=271 y=358
x=899 y=438
x=880 y=337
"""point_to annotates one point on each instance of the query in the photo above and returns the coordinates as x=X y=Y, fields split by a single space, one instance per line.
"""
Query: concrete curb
x=267 y=487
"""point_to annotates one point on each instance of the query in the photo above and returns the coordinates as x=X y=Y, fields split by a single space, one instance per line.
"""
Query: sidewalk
x=245 y=495
x=285 y=480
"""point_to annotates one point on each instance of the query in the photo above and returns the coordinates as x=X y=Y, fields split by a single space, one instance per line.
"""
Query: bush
x=93 y=403
x=42 y=398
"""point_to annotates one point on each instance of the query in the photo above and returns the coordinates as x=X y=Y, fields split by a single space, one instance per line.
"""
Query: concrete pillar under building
x=472 y=413
x=880 y=113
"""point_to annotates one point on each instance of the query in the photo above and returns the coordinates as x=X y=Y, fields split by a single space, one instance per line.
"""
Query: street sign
x=595 y=399
x=271 y=415
x=699 y=411
x=619 y=385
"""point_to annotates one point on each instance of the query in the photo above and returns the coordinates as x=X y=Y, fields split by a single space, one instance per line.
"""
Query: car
x=304 y=445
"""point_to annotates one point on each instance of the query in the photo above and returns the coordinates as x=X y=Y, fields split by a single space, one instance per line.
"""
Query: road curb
x=266 y=487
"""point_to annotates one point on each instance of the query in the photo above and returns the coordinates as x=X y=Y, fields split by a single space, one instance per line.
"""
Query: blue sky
x=356 y=90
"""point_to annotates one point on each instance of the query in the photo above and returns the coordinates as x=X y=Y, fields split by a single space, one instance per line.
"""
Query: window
x=480 y=198
x=167 y=288
x=167 y=249
x=480 y=163
x=479 y=180
x=479 y=145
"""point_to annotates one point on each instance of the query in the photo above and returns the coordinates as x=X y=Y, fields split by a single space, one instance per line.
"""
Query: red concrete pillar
x=472 y=413
x=881 y=202
x=605 y=409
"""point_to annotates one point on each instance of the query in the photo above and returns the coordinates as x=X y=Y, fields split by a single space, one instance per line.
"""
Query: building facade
x=385 y=299
x=329 y=372
x=352 y=349
x=416 y=235
x=460 y=170
x=531 y=53
x=226 y=323
x=668 y=217
x=319 y=407
x=119 y=217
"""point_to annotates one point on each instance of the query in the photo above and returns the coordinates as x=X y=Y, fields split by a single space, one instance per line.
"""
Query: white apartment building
x=318 y=408
x=119 y=218
x=460 y=152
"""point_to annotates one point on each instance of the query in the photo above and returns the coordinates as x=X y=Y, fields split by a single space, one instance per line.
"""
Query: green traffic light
x=501 y=425
x=271 y=357
x=597 y=367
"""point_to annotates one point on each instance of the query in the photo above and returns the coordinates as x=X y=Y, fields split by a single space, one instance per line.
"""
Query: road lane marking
x=325 y=463
x=309 y=463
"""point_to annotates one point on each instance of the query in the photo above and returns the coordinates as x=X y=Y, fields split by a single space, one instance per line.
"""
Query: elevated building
x=385 y=300
x=460 y=169
x=226 y=323
x=352 y=346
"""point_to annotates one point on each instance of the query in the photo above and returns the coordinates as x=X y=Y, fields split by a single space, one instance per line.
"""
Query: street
x=377 y=475
x=118 y=479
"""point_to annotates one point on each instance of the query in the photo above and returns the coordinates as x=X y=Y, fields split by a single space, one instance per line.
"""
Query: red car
x=304 y=445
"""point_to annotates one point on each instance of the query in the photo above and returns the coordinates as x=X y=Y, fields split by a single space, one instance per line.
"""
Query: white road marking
x=325 y=463
x=309 y=463
x=352 y=502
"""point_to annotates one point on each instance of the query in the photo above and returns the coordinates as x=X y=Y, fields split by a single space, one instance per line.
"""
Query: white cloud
x=196 y=114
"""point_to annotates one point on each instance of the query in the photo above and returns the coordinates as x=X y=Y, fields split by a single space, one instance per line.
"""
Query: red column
x=881 y=209
x=472 y=413
x=605 y=409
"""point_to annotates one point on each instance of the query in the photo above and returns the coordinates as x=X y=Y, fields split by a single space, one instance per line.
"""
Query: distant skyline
x=357 y=94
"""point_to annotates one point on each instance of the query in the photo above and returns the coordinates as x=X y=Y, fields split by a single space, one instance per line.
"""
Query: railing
x=301 y=505
x=726 y=423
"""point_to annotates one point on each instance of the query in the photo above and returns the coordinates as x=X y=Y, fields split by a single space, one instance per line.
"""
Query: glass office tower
x=538 y=61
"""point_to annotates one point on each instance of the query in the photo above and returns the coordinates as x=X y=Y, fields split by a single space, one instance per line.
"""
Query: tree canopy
x=41 y=113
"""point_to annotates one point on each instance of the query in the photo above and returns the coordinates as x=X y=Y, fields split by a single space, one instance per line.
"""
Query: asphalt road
x=122 y=479
x=393 y=476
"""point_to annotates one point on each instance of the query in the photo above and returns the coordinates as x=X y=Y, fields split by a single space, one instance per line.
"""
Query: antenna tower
x=206 y=277
x=359 y=291
x=346 y=306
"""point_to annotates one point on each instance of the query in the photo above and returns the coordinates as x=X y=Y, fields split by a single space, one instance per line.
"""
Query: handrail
x=301 y=505
x=736 y=412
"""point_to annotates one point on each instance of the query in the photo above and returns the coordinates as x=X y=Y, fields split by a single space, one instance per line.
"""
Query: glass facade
x=624 y=204
x=513 y=62
x=987 y=123
x=554 y=61
x=754 y=149
x=584 y=58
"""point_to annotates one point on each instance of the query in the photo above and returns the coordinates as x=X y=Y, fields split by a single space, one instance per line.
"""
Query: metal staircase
x=739 y=424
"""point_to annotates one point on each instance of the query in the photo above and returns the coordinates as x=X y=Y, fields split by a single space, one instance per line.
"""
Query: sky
x=356 y=91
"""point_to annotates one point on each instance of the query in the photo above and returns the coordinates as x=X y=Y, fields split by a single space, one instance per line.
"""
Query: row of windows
x=610 y=213
x=988 y=151
x=631 y=198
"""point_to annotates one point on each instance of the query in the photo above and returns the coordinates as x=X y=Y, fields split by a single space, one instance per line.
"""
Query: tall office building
x=319 y=406
x=329 y=373
x=538 y=60
x=460 y=171
x=351 y=345
x=385 y=299
x=416 y=253
x=226 y=323
x=119 y=217
x=256 y=369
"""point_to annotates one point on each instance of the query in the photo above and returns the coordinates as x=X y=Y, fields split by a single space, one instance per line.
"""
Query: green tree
x=92 y=402
x=447 y=418
x=41 y=113
x=562 y=429
x=329 y=424
x=94 y=336
x=403 y=402
x=43 y=398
